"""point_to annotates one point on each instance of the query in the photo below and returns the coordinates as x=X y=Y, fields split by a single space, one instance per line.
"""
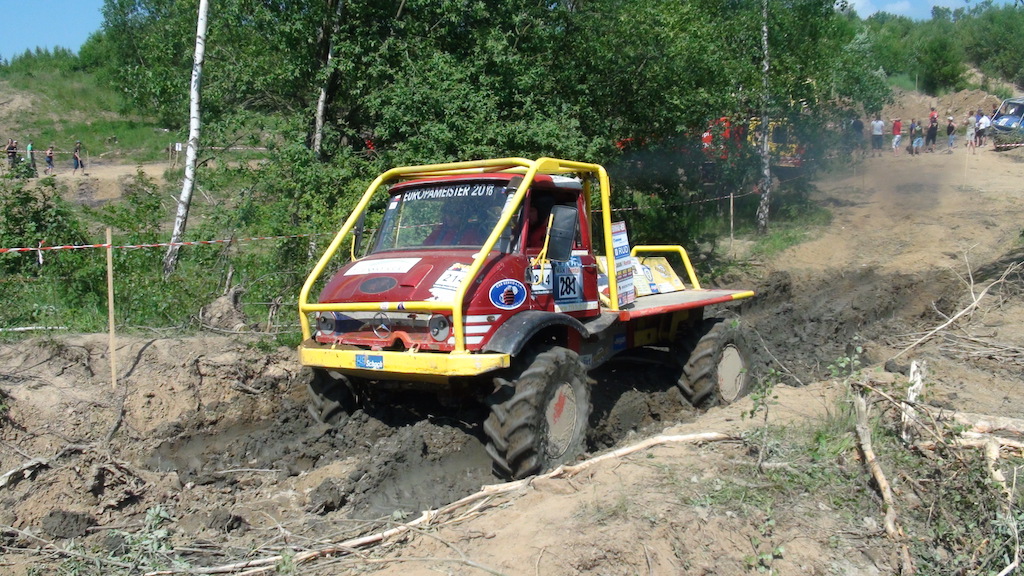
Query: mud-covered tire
x=718 y=364
x=540 y=419
x=332 y=397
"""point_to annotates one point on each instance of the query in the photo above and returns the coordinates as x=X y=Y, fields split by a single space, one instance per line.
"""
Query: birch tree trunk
x=331 y=29
x=185 y=200
x=766 y=162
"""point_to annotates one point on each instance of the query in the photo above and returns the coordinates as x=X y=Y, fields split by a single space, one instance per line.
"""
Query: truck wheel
x=332 y=397
x=540 y=419
x=718 y=367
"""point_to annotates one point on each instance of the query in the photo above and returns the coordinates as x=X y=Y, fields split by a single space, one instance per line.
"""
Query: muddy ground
x=204 y=455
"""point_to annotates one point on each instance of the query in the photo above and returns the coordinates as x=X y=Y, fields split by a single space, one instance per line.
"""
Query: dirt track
x=213 y=430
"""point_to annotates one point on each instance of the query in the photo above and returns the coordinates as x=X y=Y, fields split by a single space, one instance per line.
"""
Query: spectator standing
x=76 y=159
x=877 y=134
x=31 y=159
x=857 y=136
x=897 y=136
x=972 y=124
x=951 y=135
x=12 y=152
x=916 y=137
x=49 y=161
x=932 y=134
x=983 y=123
x=933 y=116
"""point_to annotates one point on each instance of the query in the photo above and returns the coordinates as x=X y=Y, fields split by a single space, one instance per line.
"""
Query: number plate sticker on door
x=540 y=278
x=568 y=281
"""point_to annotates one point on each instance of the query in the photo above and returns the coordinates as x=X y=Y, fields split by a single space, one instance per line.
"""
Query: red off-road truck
x=506 y=280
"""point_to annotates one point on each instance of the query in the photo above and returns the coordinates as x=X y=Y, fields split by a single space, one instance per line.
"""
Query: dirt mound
x=11 y=104
x=915 y=105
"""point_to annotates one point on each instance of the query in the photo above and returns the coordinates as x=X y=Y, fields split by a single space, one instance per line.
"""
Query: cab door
x=564 y=286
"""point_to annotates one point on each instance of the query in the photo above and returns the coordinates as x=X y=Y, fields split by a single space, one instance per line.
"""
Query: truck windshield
x=441 y=215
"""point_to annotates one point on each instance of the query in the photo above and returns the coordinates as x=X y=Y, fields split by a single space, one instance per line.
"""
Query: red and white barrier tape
x=41 y=248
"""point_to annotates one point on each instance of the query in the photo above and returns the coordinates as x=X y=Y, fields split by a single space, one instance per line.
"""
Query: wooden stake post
x=110 y=308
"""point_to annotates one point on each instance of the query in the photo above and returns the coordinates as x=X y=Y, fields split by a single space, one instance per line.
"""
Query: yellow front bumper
x=405 y=365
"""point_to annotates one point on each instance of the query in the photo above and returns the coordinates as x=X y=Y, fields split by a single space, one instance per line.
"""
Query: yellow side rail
x=670 y=248
x=529 y=169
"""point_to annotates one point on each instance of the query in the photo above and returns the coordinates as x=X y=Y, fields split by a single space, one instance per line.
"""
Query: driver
x=455 y=230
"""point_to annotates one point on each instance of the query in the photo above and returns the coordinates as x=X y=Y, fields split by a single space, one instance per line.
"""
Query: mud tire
x=332 y=397
x=540 y=419
x=718 y=364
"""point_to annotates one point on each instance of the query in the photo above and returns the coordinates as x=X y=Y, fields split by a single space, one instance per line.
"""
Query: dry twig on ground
x=975 y=302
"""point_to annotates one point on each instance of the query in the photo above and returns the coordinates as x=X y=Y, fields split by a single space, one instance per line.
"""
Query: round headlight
x=440 y=327
x=325 y=322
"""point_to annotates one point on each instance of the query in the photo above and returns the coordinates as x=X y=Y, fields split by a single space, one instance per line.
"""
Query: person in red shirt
x=897 y=136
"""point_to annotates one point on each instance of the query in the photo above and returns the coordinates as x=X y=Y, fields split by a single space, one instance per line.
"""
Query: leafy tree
x=892 y=41
x=941 y=64
x=425 y=81
x=992 y=40
x=152 y=42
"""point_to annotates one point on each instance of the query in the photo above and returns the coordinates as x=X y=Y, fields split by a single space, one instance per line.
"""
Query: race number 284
x=568 y=287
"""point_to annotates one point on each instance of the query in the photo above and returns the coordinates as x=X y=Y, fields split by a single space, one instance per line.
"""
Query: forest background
x=304 y=102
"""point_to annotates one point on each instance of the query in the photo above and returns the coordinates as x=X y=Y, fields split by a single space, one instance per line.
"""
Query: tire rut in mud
x=807 y=323
x=404 y=454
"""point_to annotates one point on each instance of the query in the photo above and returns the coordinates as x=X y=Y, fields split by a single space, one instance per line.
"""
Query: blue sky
x=916 y=9
x=28 y=24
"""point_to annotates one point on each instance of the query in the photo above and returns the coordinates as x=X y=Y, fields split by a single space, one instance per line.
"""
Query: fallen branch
x=908 y=415
x=980 y=423
x=864 y=441
x=50 y=546
x=36 y=463
x=974 y=440
x=569 y=471
x=23 y=469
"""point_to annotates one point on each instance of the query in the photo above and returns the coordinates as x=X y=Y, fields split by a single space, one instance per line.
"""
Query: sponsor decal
x=453 y=191
x=385 y=266
x=623 y=264
x=575 y=307
x=507 y=294
x=619 y=342
x=369 y=362
x=448 y=283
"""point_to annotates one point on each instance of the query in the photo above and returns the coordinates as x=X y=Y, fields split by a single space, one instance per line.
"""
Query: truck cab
x=1008 y=124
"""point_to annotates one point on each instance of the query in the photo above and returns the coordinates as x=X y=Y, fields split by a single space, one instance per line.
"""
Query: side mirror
x=562 y=234
x=358 y=233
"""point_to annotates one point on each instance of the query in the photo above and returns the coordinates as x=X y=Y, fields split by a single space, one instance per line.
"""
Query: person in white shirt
x=877 y=133
x=983 y=123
